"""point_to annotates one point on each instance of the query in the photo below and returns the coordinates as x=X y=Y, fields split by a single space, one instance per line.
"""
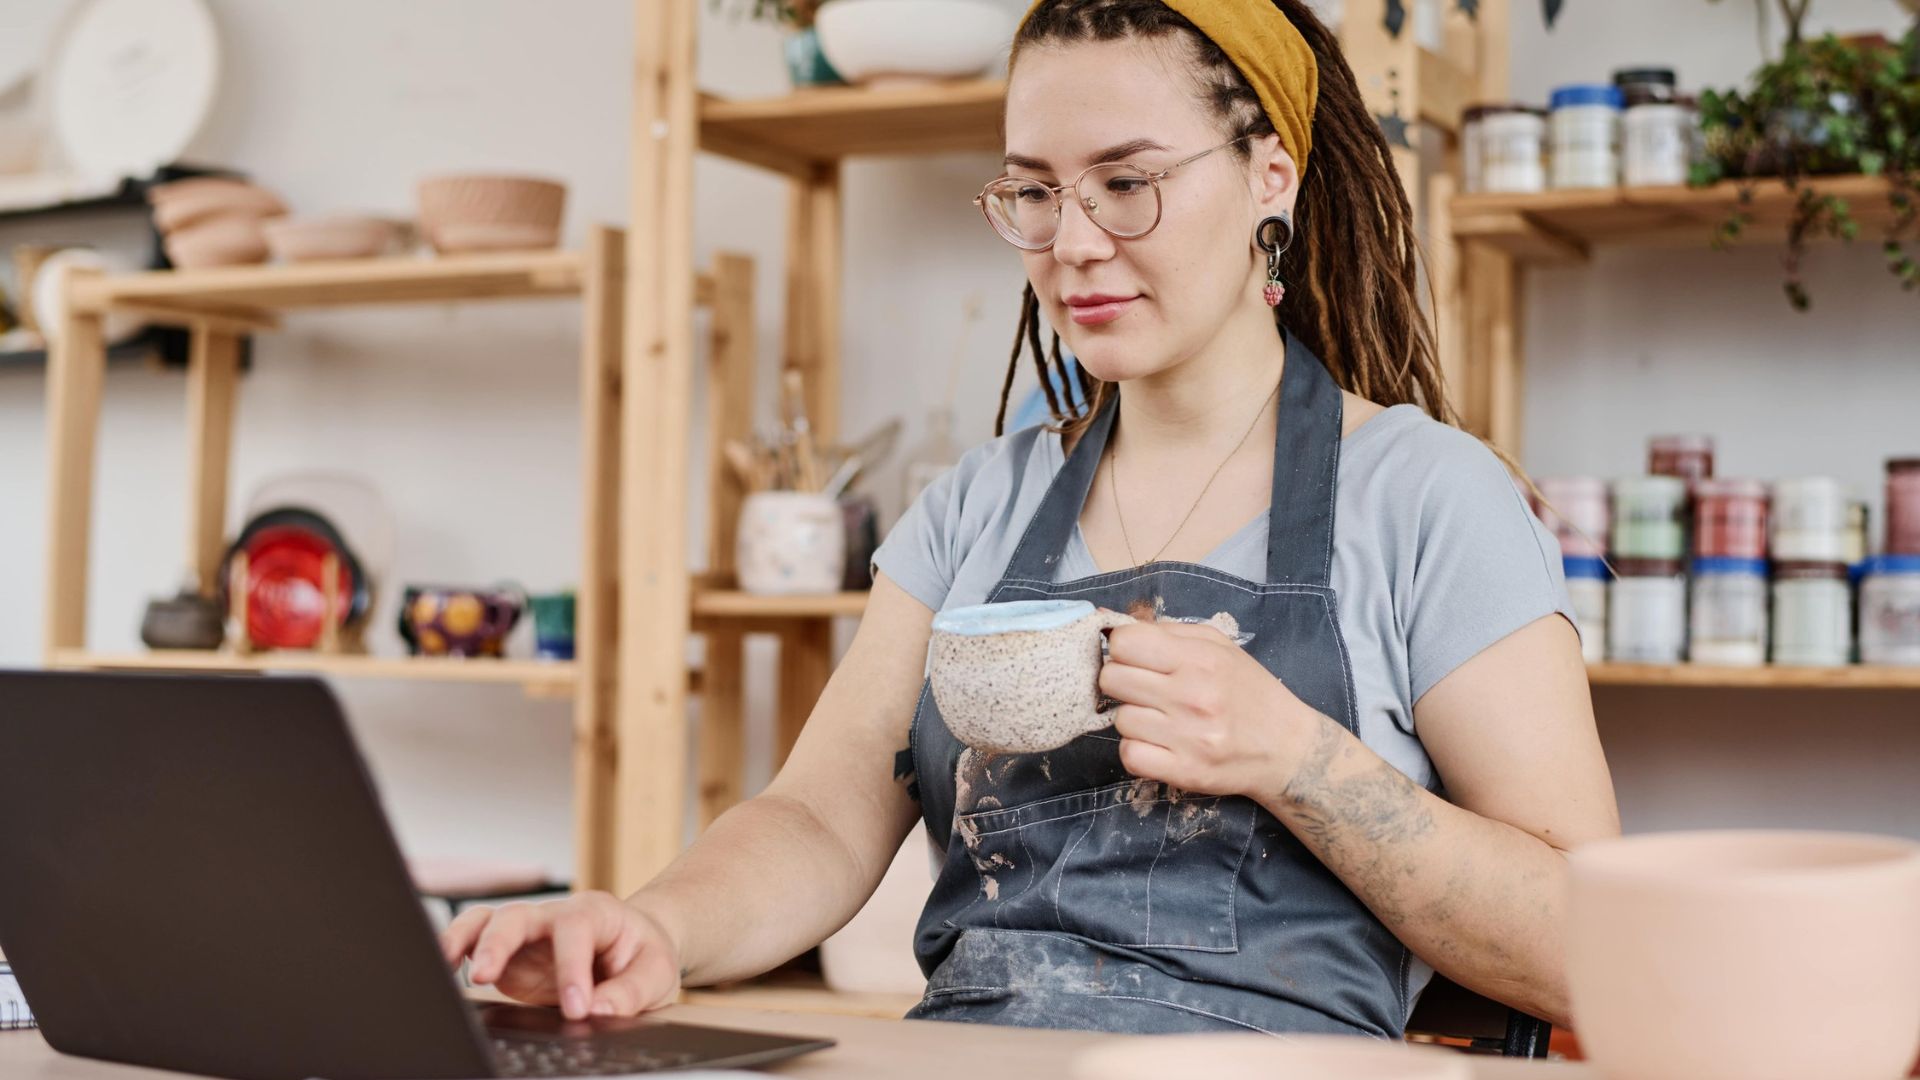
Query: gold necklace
x=1113 y=486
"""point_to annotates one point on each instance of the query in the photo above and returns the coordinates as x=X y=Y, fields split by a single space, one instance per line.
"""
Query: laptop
x=196 y=874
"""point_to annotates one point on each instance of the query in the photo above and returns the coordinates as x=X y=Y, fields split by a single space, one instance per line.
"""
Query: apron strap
x=1306 y=466
x=1046 y=537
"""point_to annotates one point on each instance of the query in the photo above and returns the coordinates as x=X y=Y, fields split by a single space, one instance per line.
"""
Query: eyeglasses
x=1122 y=199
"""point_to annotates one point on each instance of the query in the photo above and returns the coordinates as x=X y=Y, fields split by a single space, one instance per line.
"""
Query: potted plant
x=806 y=63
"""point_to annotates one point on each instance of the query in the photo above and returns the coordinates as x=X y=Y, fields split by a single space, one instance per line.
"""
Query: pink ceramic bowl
x=1263 y=1057
x=223 y=240
x=315 y=239
x=1747 y=956
x=182 y=203
x=490 y=213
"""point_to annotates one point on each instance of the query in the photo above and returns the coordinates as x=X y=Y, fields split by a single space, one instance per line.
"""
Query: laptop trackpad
x=670 y=1044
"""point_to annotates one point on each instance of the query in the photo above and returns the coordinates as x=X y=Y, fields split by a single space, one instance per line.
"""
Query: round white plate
x=129 y=84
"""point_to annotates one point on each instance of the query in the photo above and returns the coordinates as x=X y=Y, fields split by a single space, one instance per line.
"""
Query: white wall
x=465 y=417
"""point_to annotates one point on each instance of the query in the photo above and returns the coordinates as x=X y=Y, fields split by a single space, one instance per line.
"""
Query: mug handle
x=1107 y=621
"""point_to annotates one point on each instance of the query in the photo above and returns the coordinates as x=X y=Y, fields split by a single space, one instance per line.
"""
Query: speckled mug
x=1021 y=677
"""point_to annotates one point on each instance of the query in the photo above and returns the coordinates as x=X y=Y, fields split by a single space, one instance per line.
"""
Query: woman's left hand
x=1201 y=714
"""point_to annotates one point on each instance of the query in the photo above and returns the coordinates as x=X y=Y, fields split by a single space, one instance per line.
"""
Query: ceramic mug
x=1746 y=955
x=1021 y=677
x=437 y=620
x=553 y=616
x=790 y=543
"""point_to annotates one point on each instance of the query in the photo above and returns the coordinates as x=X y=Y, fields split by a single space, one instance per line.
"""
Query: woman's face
x=1071 y=106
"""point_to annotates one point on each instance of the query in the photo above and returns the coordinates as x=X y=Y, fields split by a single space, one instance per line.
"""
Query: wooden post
x=213 y=374
x=597 y=602
x=655 y=598
x=814 y=270
x=806 y=662
x=76 y=367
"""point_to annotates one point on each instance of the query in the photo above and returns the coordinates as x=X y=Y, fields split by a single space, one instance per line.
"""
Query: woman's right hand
x=591 y=953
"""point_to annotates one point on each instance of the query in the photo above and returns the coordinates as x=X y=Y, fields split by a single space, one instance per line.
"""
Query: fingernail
x=575 y=1002
x=603 y=1008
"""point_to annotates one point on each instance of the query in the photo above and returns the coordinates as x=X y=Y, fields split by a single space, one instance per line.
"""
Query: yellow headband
x=1270 y=53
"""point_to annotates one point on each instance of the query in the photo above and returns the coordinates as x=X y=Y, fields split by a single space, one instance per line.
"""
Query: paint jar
x=1689 y=457
x=1890 y=610
x=791 y=543
x=1658 y=143
x=1587 y=587
x=1730 y=519
x=1809 y=520
x=1586 y=137
x=1646 y=85
x=1513 y=143
x=1812 y=614
x=1647 y=612
x=1728 y=616
x=1575 y=510
x=1648 y=512
x=1903 y=506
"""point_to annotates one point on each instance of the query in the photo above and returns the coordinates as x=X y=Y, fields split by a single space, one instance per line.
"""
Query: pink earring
x=1275 y=290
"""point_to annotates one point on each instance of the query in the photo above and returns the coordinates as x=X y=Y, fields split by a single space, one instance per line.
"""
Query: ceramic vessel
x=1021 y=677
x=318 y=239
x=181 y=203
x=1263 y=1057
x=490 y=213
x=451 y=621
x=224 y=240
x=1746 y=955
x=553 y=620
x=870 y=41
x=790 y=543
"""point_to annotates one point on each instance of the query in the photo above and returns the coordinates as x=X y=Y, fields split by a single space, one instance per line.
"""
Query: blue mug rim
x=984 y=620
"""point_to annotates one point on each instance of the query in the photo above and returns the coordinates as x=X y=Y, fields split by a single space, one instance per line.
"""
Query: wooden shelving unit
x=1852 y=677
x=218 y=307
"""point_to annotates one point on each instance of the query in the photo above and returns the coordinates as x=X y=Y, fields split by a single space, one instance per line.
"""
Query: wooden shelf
x=1564 y=226
x=795 y=132
x=1852 y=677
x=544 y=677
x=801 y=992
x=247 y=293
x=726 y=603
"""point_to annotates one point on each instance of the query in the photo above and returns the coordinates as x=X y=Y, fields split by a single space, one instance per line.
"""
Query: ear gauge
x=1274 y=235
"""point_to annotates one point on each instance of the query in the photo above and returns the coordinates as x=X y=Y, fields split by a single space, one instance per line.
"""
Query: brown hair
x=1354 y=224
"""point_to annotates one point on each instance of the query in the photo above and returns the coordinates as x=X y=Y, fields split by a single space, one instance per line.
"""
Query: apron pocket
x=1130 y=864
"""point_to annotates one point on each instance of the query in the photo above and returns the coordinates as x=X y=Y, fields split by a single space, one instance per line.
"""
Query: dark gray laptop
x=195 y=874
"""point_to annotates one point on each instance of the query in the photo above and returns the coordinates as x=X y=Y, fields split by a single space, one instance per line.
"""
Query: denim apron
x=1075 y=895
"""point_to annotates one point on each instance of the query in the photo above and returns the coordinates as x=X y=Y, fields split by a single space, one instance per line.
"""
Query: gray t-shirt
x=1436 y=555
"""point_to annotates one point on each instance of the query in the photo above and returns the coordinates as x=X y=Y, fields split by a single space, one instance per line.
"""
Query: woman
x=1260 y=841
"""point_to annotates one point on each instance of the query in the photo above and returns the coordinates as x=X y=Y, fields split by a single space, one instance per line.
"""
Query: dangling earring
x=1266 y=236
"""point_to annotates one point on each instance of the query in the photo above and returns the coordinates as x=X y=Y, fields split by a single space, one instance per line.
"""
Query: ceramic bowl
x=1746 y=955
x=223 y=240
x=913 y=40
x=1263 y=1057
x=317 y=239
x=183 y=202
x=490 y=213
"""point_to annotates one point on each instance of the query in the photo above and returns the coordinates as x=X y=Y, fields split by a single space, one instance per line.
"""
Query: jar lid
x=1903 y=465
x=1809 y=571
x=1730 y=488
x=1490 y=108
x=1664 y=76
x=1669 y=488
x=1648 y=568
x=1587 y=94
x=1696 y=444
x=1586 y=567
x=1708 y=565
x=1887 y=564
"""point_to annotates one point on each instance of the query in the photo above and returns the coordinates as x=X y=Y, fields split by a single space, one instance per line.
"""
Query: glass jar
x=1809 y=520
x=1658 y=143
x=1728 y=616
x=1648 y=512
x=1587 y=587
x=1812 y=614
x=1513 y=143
x=1646 y=85
x=1890 y=610
x=1689 y=457
x=1586 y=137
x=1730 y=519
x=1575 y=510
x=1647 y=612
x=1903 y=506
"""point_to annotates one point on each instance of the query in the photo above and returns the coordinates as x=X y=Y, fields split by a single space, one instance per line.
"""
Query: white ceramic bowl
x=317 y=239
x=913 y=40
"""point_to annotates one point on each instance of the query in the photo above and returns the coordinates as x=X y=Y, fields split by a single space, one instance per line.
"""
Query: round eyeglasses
x=1122 y=199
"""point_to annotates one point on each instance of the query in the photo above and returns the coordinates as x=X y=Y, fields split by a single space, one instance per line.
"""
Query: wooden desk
x=876 y=1049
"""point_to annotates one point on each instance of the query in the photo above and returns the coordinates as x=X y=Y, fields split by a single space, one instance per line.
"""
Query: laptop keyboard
x=584 y=1057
